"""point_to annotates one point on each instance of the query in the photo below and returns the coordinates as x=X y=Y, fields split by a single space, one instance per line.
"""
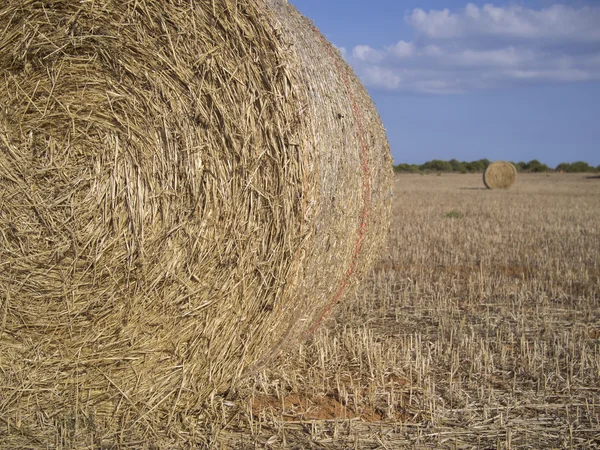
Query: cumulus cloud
x=502 y=57
x=486 y=47
x=402 y=49
x=556 y=21
x=367 y=54
x=382 y=77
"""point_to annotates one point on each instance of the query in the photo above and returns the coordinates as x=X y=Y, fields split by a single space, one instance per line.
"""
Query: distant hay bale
x=500 y=175
x=184 y=188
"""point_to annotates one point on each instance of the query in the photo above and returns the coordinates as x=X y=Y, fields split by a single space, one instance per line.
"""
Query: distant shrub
x=477 y=166
x=521 y=166
x=437 y=165
x=409 y=168
x=480 y=165
x=536 y=167
x=576 y=167
x=458 y=166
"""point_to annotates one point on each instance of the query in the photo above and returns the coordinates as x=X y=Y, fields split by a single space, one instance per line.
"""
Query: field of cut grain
x=479 y=328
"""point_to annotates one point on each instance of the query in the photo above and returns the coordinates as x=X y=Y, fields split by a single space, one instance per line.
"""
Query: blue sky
x=515 y=80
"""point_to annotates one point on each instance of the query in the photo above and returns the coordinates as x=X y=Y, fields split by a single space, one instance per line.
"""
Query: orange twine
x=366 y=188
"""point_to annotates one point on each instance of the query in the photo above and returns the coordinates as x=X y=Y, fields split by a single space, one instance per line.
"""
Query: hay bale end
x=184 y=188
x=500 y=175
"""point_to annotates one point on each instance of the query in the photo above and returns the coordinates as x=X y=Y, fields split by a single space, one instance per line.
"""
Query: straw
x=185 y=188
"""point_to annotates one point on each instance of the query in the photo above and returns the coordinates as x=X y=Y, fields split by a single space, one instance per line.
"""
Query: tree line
x=533 y=166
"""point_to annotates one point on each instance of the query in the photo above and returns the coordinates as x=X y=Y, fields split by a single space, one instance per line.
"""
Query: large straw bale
x=185 y=186
x=500 y=175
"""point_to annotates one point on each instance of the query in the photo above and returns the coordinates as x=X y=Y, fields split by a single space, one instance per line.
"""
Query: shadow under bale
x=185 y=187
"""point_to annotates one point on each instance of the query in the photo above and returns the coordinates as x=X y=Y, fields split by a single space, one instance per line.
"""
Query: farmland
x=478 y=328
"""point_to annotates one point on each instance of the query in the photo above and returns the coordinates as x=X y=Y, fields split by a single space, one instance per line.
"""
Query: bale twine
x=500 y=175
x=184 y=188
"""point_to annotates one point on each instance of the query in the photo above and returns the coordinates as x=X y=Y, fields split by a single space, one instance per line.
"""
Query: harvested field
x=479 y=328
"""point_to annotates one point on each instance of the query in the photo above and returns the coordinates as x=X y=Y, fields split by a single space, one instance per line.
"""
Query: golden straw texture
x=500 y=175
x=185 y=186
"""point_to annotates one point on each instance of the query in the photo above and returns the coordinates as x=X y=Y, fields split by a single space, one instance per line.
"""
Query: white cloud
x=380 y=77
x=502 y=57
x=551 y=75
x=437 y=87
x=402 y=49
x=367 y=54
x=516 y=21
x=432 y=50
x=486 y=47
x=435 y=23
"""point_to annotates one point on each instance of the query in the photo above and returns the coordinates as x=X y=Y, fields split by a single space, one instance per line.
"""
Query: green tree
x=521 y=166
x=536 y=167
x=477 y=166
x=457 y=166
x=581 y=166
x=403 y=167
x=437 y=165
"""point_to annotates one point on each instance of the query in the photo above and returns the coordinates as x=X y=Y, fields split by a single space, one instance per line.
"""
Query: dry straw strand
x=182 y=191
x=500 y=175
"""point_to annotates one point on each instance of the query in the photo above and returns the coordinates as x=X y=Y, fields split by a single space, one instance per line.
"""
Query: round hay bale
x=184 y=188
x=500 y=175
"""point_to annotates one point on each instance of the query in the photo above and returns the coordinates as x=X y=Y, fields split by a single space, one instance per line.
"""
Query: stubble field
x=479 y=328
